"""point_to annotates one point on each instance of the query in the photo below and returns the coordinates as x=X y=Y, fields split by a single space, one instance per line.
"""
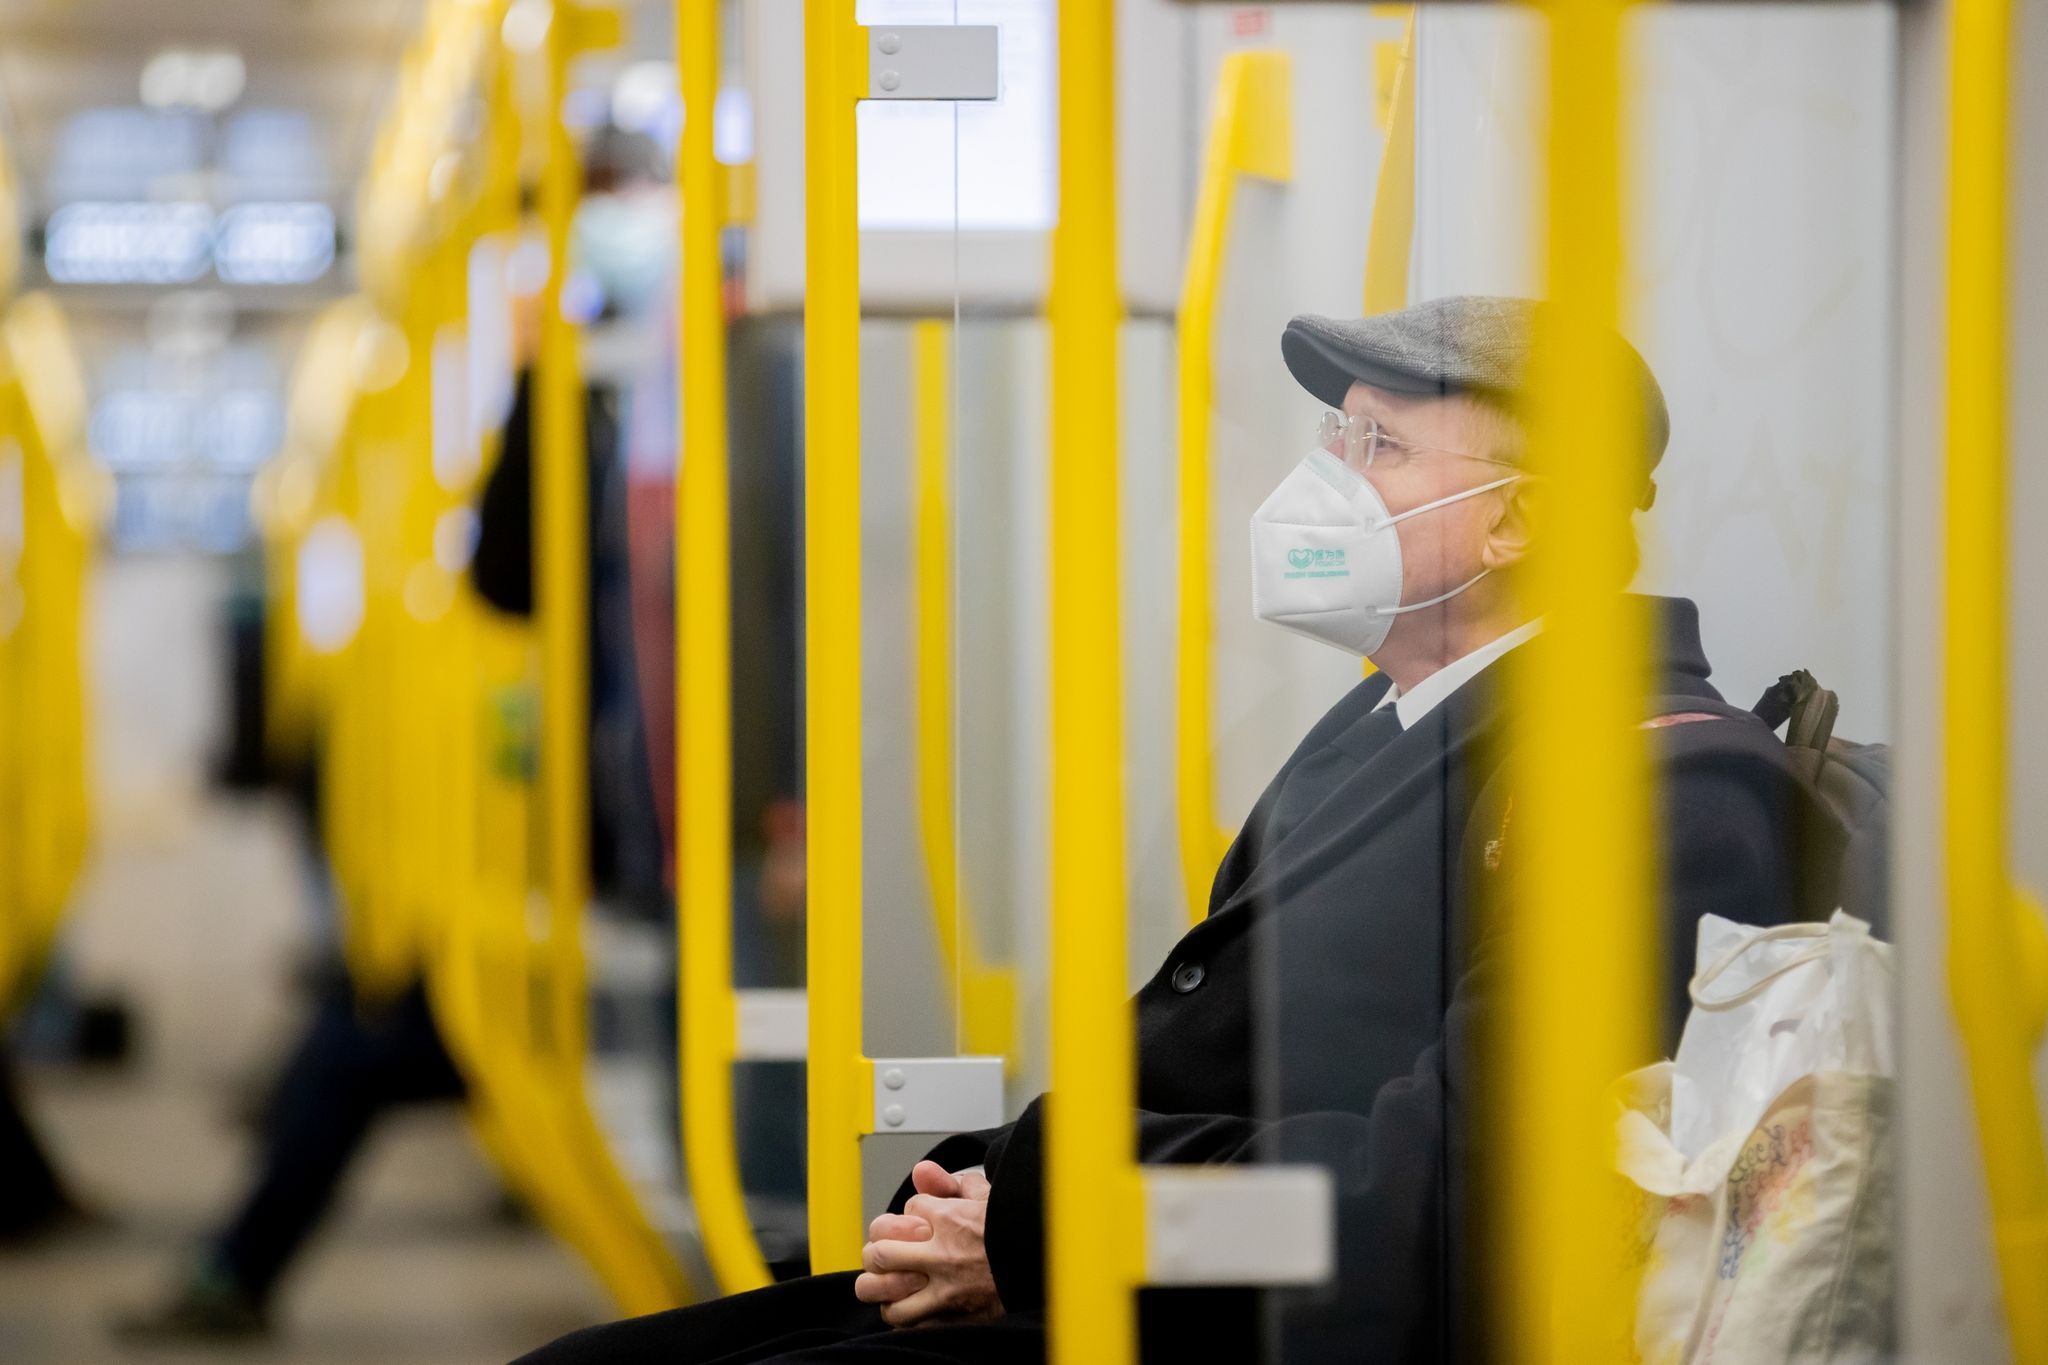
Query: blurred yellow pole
x=561 y=538
x=986 y=994
x=1584 y=895
x=838 y=1074
x=1095 y=1227
x=1390 y=237
x=709 y=1009
x=1985 y=948
x=642 y=1272
x=1250 y=133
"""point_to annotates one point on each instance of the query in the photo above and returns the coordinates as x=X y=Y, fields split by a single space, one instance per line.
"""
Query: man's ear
x=1520 y=510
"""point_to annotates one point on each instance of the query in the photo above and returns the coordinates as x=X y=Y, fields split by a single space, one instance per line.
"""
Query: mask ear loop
x=1458 y=496
x=1430 y=507
x=1442 y=597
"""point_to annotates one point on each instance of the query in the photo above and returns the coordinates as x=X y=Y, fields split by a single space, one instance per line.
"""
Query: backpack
x=1850 y=783
x=1853 y=782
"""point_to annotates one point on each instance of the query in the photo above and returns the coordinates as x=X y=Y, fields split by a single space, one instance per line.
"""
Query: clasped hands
x=928 y=1264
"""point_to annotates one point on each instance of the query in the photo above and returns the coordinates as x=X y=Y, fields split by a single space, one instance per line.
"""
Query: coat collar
x=1386 y=779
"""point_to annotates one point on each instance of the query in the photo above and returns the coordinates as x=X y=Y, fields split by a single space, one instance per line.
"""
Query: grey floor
x=195 y=909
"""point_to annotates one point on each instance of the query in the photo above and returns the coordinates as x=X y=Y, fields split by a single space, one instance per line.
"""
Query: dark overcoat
x=1334 y=1007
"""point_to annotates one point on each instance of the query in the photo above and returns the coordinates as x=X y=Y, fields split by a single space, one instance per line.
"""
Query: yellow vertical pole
x=931 y=379
x=1094 y=1222
x=932 y=559
x=1390 y=236
x=1985 y=957
x=16 y=949
x=1250 y=133
x=985 y=994
x=561 y=529
x=639 y=1267
x=1579 y=1003
x=838 y=1075
x=703 y=605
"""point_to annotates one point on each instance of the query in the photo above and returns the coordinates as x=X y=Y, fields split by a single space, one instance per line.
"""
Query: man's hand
x=928 y=1263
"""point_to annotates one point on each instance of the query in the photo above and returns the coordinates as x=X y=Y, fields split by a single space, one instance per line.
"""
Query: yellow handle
x=1390 y=237
x=1095 y=1230
x=1250 y=133
x=1985 y=943
x=1580 y=836
x=709 y=1009
x=838 y=1075
x=646 y=1275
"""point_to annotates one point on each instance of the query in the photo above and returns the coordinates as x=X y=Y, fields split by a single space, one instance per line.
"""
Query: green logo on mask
x=1313 y=563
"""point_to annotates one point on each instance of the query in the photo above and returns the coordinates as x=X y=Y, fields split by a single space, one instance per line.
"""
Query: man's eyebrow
x=1374 y=408
x=1373 y=412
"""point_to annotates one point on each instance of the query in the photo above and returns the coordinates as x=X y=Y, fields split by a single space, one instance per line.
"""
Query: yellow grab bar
x=986 y=994
x=1095 y=1213
x=1984 y=931
x=838 y=1076
x=561 y=601
x=561 y=577
x=1580 y=967
x=1250 y=133
x=1390 y=237
x=707 y=1002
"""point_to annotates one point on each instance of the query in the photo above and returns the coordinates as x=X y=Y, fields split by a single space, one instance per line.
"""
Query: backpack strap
x=1807 y=710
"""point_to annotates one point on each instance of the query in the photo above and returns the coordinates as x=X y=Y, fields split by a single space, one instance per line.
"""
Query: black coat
x=1354 y=888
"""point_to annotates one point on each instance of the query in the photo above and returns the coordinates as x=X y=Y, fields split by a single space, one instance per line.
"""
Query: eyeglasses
x=1361 y=443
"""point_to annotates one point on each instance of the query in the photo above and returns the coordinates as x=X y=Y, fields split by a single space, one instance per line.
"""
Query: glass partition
x=1395 y=909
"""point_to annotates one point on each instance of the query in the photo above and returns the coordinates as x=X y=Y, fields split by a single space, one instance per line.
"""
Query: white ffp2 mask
x=1326 y=559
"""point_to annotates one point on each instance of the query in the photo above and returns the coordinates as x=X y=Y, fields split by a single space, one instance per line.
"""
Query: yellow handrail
x=1095 y=1211
x=1390 y=237
x=648 y=1276
x=1984 y=944
x=986 y=994
x=838 y=1075
x=561 y=572
x=707 y=1002
x=1250 y=133
x=54 y=491
x=1579 y=974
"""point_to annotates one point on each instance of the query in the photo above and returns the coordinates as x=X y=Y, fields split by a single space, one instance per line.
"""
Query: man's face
x=1440 y=549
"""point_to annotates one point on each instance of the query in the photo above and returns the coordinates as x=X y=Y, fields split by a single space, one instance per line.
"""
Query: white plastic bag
x=1763 y=1154
x=1770 y=1006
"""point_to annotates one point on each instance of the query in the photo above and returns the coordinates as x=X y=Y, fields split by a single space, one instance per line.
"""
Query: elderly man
x=1349 y=937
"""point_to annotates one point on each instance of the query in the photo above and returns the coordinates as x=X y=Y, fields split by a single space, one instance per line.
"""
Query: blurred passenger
x=359 y=1059
x=769 y=834
x=34 y=1200
x=1369 y=862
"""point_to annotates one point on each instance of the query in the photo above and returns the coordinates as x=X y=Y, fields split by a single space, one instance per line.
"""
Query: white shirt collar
x=1431 y=691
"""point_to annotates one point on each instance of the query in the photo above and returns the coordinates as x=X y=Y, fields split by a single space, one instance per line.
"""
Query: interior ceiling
x=333 y=60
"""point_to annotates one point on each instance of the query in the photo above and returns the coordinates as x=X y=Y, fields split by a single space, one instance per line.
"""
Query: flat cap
x=1466 y=343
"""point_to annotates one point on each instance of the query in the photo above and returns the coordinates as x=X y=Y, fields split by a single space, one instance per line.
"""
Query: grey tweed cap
x=1466 y=343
